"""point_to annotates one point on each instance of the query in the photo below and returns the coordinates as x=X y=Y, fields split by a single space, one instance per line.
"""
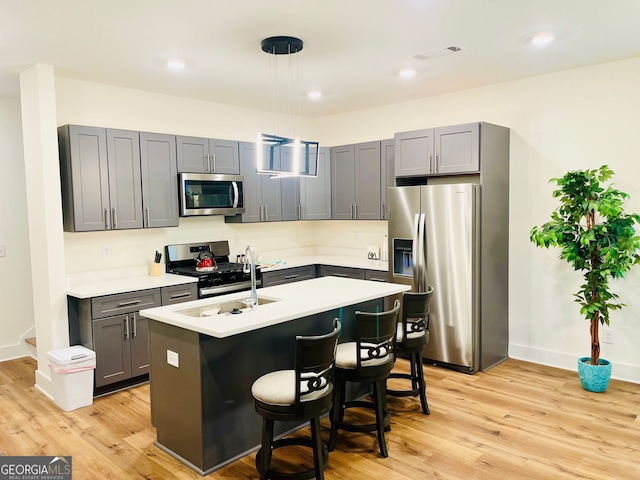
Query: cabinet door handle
x=436 y=163
x=135 y=325
x=214 y=163
x=208 y=163
x=106 y=219
x=114 y=217
x=430 y=163
x=289 y=277
x=146 y=212
x=384 y=212
x=128 y=304
x=266 y=212
x=355 y=211
x=299 y=212
x=180 y=295
x=126 y=326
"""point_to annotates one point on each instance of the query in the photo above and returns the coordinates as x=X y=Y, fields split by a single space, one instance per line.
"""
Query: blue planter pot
x=594 y=378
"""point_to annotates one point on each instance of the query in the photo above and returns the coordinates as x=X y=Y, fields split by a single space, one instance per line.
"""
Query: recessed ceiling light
x=314 y=94
x=407 y=73
x=543 y=38
x=175 y=64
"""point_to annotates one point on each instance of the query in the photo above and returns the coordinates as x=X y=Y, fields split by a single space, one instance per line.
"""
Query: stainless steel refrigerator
x=434 y=239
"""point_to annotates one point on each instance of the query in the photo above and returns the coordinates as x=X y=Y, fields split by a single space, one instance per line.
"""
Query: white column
x=44 y=207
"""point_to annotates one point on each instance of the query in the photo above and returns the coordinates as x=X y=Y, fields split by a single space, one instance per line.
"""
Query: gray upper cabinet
x=125 y=179
x=117 y=179
x=438 y=151
x=355 y=182
x=207 y=155
x=159 y=180
x=262 y=194
x=290 y=191
x=84 y=177
x=315 y=192
x=387 y=173
x=101 y=178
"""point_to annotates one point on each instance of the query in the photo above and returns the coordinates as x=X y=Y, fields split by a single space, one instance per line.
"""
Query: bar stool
x=412 y=336
x=304 y=393
x=368 y=359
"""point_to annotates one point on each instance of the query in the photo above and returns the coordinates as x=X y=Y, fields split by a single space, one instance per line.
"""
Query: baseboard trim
x=11 y=352
x=619 y=371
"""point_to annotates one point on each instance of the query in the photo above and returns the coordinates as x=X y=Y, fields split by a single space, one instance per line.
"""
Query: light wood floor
x=516 y=421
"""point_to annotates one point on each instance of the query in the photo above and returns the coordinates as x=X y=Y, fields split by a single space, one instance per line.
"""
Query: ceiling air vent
x=438 y=52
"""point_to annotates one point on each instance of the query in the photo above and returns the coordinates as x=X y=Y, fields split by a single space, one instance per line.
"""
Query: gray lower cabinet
x=315 y=192
x=262 y=194
x=347 y=272
x=207 y=155
x=117 y=179
x=355 y=182
x=289 y=275
x=376 y=275
x=111 y=325
x=179 y=293
x=438 y=151
x=159 y=179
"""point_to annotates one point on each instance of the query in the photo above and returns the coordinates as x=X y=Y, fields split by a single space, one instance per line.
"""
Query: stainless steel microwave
x=211 y=194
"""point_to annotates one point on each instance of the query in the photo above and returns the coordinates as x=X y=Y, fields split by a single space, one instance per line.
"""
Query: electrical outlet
x=173 y=359
x=106 y=251
x=356 y=236
x=3 y=252
x=607 y=336
x=236 y=241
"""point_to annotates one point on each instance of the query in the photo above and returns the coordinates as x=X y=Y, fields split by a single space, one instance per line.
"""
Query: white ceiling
x=353 y=49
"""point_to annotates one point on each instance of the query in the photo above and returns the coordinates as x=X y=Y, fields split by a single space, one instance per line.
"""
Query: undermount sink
x=230 y=307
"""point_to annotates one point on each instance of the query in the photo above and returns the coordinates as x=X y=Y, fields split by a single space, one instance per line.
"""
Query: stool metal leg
x=421 y=383
x=337 y=412
x=263 y=458
x=378 y=395
x=316 y=440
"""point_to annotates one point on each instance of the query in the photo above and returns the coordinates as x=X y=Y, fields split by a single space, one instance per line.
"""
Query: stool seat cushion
x=347 y=357
x=279 y=388
x=410 y=335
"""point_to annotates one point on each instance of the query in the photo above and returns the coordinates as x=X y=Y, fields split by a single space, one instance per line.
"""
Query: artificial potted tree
x=598 y=238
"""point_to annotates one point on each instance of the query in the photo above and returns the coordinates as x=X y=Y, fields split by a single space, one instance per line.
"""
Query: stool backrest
x=375 y=335
x=315 y=366
x=415 y=317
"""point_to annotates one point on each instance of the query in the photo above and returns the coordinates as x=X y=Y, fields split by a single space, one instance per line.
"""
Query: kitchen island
x=202 y=367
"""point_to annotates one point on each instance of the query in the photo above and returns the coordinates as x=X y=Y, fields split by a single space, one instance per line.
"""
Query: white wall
x=16 y=314
x=574 y=119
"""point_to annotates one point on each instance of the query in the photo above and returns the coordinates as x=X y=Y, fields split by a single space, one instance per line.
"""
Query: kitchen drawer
x=348 y=272
x=179 y=293
x=376 y=275
x=121 y=303
x=296 y=274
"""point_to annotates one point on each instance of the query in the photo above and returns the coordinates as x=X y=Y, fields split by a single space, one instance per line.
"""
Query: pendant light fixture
x=286 y=154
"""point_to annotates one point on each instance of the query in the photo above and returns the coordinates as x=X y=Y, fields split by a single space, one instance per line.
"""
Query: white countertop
x=109 y=286
x=335 y=260
x=96 y=284
x=294 y=300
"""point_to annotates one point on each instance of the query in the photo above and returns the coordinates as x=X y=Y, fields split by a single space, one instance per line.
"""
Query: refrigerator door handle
x=422 y=255
x=415 y=252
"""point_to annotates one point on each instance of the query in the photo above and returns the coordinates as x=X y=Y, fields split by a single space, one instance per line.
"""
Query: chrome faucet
x=250 y=266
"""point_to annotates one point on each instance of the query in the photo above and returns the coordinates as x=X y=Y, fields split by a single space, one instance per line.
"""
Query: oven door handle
x=236 y=195
x=234 y=287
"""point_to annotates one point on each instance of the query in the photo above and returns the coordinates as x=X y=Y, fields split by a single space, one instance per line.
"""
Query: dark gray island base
x=203 y=410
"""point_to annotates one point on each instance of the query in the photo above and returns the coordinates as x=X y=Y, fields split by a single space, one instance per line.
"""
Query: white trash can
x=72 y=376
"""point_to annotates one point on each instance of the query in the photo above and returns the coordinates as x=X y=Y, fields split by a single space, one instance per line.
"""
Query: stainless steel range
x=215 y=277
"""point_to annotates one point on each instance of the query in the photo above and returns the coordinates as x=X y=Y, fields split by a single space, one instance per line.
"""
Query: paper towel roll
x=384 y=249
